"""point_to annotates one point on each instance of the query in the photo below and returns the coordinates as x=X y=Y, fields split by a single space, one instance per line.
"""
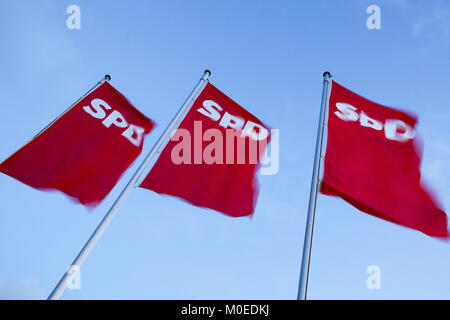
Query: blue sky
x=269 y=56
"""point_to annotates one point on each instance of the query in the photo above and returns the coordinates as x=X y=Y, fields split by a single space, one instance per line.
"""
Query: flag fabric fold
x=84 y=152
x=212 y=158
x=372 y=161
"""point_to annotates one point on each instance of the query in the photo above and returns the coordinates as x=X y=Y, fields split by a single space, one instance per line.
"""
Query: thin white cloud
x=22 y=289
x=434 y=25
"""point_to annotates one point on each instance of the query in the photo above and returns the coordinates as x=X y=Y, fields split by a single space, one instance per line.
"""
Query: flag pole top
x=326 y=73
x=107 y=77
x=206 y=74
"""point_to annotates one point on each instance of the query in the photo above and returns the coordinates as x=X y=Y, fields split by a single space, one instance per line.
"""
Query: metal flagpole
x=307 y=244
x=105 y=78
x=58 y=290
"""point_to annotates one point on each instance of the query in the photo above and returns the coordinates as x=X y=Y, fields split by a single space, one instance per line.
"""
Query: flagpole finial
x=327 y=73
x=208 y=72
x=107 y=77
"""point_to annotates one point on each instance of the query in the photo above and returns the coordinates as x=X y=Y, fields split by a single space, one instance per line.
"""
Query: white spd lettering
x=98 y=108
x=394 y=129
x=249 y=128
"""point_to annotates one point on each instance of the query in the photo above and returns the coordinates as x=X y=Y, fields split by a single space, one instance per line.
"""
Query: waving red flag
x=86 y=150
x=372 y=161
x=212 y=158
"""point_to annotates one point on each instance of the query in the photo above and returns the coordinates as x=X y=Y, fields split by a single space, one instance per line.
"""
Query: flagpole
x=307 y=244
x=105 y=78
x=58 y=290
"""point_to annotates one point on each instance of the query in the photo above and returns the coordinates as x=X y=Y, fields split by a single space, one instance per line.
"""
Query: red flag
x=212 y=158
x=372 y=161
x=86 y=150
